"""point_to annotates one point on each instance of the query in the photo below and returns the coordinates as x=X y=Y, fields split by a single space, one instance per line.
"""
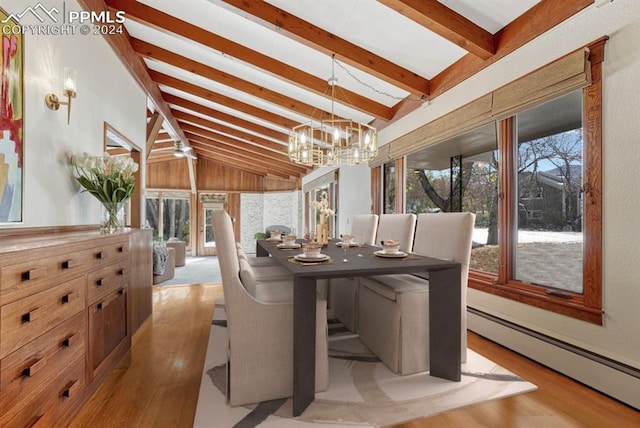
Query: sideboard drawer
x=23 y=279
x=26 y=319
x=110 y=253
x=54 y=406
x=27 y=371
x=106 y=280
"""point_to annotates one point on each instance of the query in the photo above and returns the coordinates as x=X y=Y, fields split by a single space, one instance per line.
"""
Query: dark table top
x=367 y=265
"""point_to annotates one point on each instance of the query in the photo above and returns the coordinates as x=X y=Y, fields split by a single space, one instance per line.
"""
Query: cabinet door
x=107 y=326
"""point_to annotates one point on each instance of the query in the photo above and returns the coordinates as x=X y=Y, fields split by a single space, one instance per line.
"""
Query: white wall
x=354 y=195
x=106 y=92
x=618 y=338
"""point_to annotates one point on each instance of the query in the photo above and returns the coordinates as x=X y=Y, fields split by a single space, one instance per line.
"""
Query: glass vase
x=112 y=220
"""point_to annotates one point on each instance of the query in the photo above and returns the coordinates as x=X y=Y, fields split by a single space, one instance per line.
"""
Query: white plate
x=396 y=255
x=288 y=245
x=315 y=258
x=274 y=239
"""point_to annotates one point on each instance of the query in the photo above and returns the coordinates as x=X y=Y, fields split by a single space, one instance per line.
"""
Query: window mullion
x=506 y=200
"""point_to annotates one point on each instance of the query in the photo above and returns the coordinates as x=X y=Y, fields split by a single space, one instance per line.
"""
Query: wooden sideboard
x=66 y=317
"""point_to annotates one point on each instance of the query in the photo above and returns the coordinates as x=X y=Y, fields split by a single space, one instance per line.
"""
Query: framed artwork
x=11 y=123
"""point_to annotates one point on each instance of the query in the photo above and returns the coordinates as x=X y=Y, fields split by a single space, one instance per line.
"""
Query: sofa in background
x=169 y=268
x=180 y=248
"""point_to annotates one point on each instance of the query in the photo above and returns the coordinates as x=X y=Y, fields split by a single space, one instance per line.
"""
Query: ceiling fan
x=180 y=150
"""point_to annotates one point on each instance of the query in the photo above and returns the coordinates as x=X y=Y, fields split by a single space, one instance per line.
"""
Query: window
x=533 y=179
x=549 y=238
x=533 y=176
x=389 y=188
x=441 y=180
x=168 y=214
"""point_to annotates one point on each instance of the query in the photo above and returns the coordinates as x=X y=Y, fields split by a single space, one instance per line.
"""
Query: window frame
x=586 y=306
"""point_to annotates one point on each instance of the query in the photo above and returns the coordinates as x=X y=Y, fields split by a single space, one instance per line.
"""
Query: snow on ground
x=524 y=236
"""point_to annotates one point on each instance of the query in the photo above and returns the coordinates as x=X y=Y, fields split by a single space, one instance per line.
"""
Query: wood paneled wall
x=168 y=175
x=213 y=176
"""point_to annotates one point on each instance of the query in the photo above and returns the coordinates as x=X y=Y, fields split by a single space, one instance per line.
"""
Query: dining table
x=358 y=261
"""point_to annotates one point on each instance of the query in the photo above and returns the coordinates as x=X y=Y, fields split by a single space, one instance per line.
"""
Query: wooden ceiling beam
x=226 y=117
x=163 y=140
x=163 y=146
x=539 y=19
x=157 y=53
x=328 y=43
x=136 y=66
x=191 y=130
x=153 y=128
x=172 y=82
x=447 y=23
x=534 y=22
x=147 y=15
x=276 y=148
x=160 y=157
x=231 y=160
x=250 y=170
x=203 y=144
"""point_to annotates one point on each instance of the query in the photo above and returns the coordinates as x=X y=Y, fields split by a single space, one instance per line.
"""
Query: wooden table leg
x=445 y=323
x=304 y=343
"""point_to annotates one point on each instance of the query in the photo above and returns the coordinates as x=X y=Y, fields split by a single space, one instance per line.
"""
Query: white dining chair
x=393 y=313
x=399 y=227
x=260 y=328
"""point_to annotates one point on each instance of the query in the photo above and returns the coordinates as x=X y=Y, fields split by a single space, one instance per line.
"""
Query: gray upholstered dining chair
x=393 y=313
x=343 y=295
x=260 y=328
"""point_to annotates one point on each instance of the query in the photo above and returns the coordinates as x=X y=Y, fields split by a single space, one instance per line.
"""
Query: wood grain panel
x=168 y=175
x=140 y=277
x=215 y=177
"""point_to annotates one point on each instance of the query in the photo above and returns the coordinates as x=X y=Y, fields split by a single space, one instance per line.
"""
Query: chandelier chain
x=374 y=89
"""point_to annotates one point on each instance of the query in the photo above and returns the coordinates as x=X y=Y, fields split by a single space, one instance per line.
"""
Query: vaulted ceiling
x=229 y=78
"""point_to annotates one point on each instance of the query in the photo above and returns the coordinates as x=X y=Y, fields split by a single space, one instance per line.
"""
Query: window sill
x=536 y=296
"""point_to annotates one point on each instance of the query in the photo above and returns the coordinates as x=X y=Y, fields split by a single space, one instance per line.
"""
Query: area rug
x=197 y=270
x=362 y=391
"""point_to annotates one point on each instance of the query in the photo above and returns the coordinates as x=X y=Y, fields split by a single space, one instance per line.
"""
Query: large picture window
x=533 y=179
x=549 y=161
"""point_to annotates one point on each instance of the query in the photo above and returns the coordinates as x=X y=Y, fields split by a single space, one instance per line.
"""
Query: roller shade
x=568 y=73
x=562 y=76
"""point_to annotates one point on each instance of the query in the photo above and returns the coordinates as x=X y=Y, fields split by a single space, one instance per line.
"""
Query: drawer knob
x=68 y=298
x=66 y=393
x=66 y=343
x=32 y=274
x=101 y=255
x=108 y=301
x=68 y=264
x=31 y=315
x=34 y=368
x=121 y=249
x=99 y=282
x=121 y=272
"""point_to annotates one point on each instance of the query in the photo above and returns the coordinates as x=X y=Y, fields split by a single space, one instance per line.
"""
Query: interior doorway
x=208 y=203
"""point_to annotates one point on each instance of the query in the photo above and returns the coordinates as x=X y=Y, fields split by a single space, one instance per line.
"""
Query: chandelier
x=332 y=142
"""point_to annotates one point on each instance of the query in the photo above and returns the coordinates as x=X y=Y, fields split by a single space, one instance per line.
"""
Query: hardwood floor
x=159 y=386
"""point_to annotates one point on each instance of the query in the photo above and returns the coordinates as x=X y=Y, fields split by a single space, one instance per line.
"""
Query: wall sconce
x=68 y=90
